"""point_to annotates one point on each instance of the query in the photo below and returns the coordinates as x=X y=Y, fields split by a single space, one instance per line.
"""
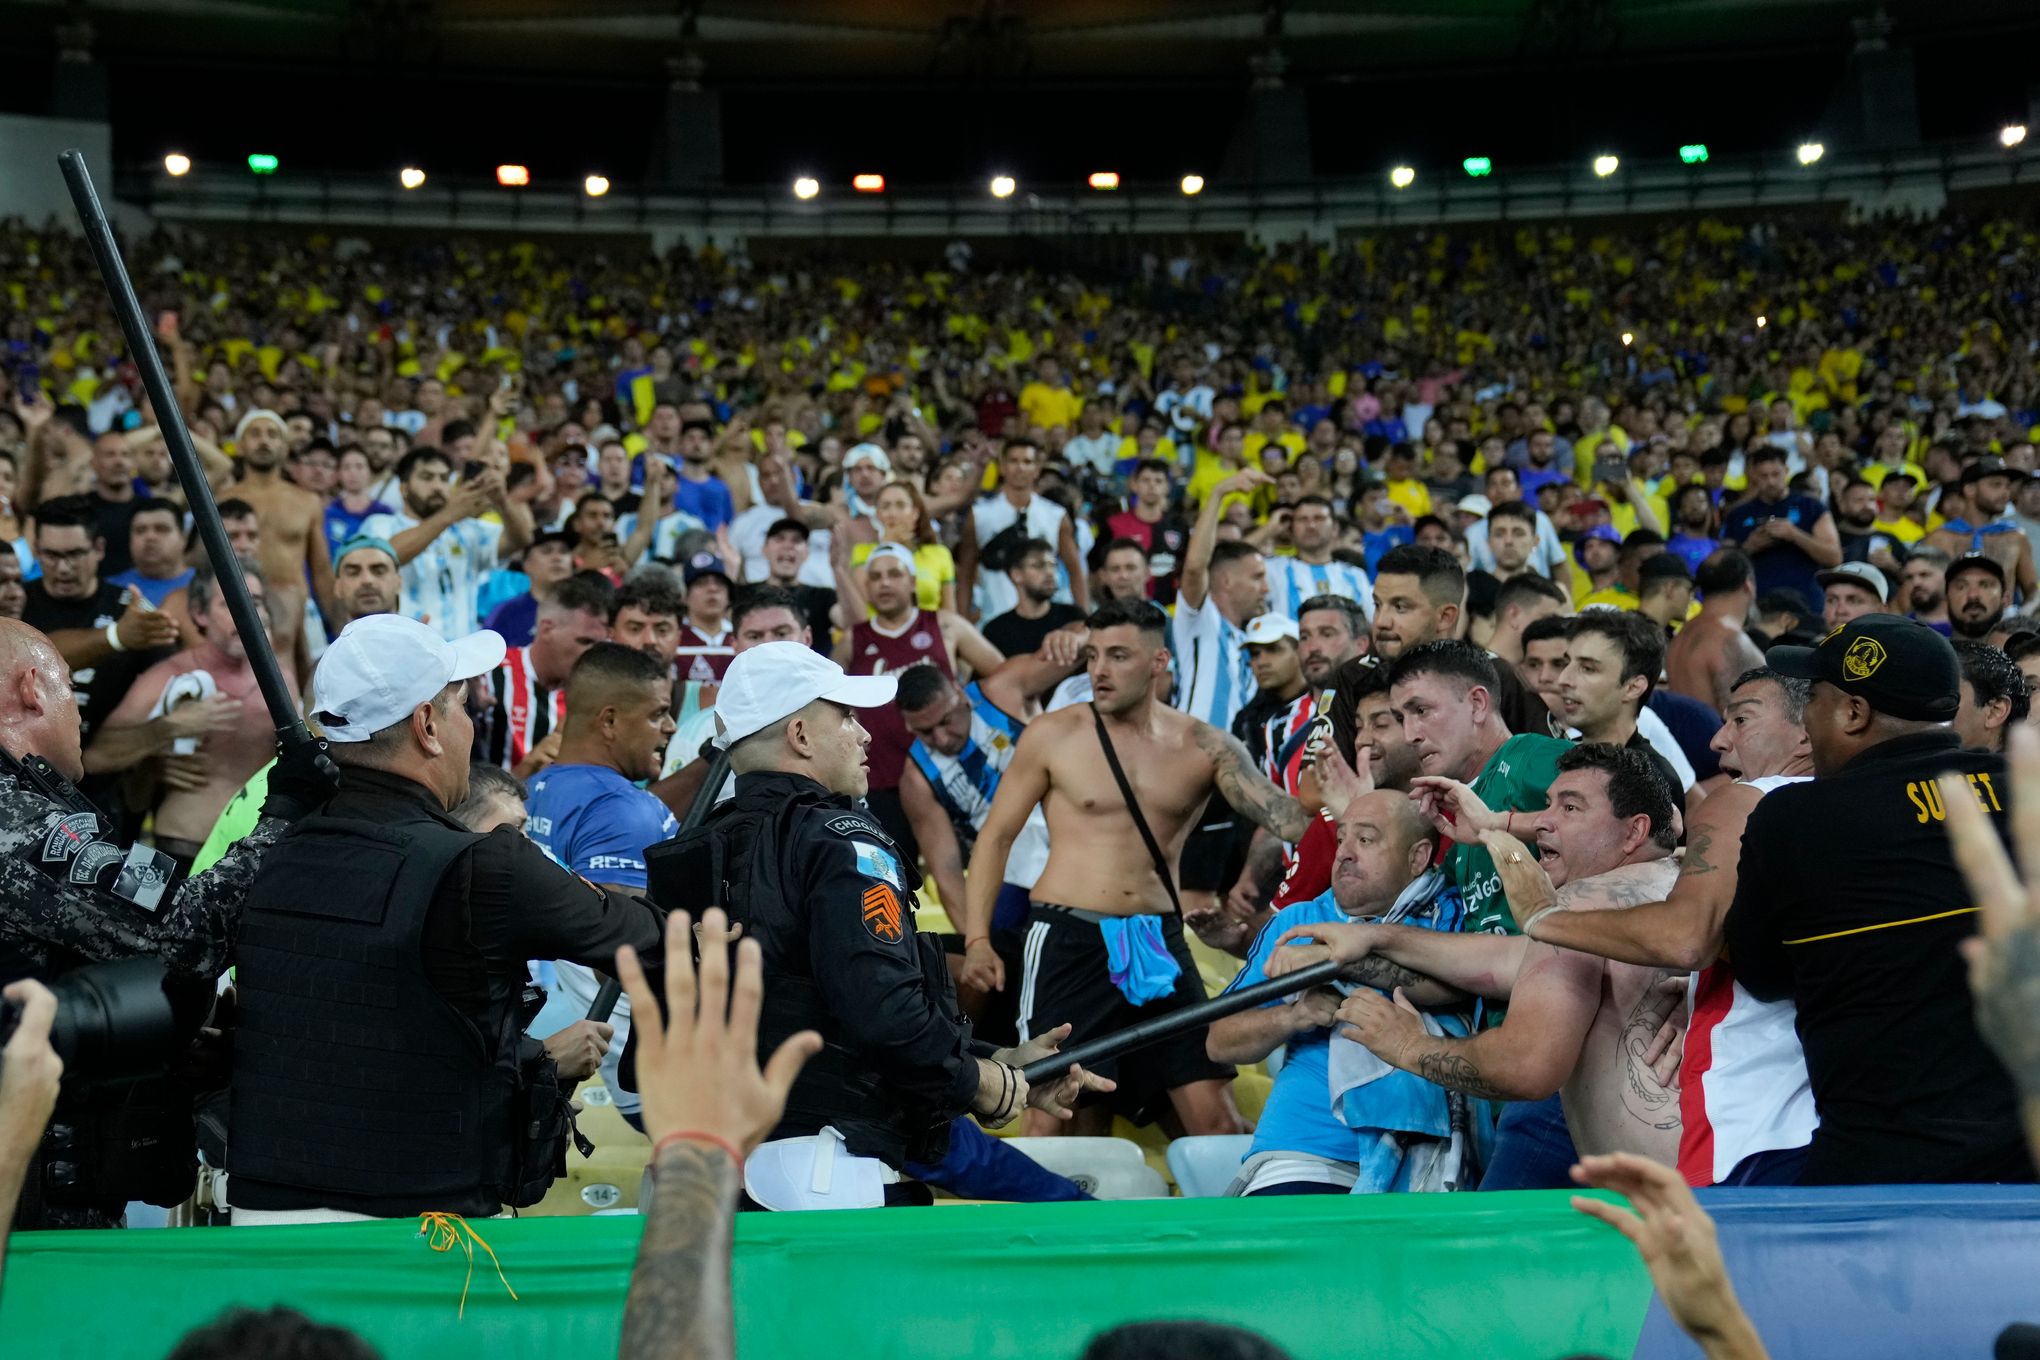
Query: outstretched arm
x=1247 y=789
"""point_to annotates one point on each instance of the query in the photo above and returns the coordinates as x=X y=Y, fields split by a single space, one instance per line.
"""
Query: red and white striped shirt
x=1743 y=1084
x=524 y=714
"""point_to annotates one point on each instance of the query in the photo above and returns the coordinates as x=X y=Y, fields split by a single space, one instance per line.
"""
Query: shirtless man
x=1100 y=876
x=1577 y=1024
x=238 y=740
x=1706 y=656
x=293 y=533
x=1747 y=1102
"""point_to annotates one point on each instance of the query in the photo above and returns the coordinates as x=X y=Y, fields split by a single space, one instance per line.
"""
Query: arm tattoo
x=679 y=1304
x=1456 y=1072
x=1247 y=789
x=1376 y=971
x=1644 y=1099
x=1696 y=856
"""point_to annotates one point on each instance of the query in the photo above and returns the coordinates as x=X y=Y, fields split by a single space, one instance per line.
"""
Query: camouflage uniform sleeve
x=66 y=896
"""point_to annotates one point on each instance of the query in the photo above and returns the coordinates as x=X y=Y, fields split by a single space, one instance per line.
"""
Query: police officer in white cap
x=381 y=1068
x=830 y=900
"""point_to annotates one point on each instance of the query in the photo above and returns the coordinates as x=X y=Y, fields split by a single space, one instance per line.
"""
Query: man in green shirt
x=1444 y=694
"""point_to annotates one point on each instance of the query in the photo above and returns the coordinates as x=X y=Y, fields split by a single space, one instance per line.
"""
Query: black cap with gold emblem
x=1902 y=668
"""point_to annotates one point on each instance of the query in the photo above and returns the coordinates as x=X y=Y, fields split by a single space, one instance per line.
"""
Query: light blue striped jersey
x=1213 y=680
x=1291 y=581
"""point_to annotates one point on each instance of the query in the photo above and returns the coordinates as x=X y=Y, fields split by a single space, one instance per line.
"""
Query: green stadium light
x=1693 y=153
x=262 y=164
x=1477 y=166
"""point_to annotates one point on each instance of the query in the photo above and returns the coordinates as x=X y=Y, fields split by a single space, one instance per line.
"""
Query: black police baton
x=1190 y=1017
x=291 y=731
x=704 y=800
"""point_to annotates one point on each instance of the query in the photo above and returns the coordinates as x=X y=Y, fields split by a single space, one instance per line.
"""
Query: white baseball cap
x=898 y=552
x=1474 y=505
x=776 y=680
x=1857 y=574
x=1269 y=629
x=868 y=453
x=383 y=666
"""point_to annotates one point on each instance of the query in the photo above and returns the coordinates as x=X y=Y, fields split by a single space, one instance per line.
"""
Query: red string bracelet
x=695 y=1136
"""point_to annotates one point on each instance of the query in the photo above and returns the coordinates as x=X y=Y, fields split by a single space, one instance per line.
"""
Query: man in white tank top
x=1746 y=1105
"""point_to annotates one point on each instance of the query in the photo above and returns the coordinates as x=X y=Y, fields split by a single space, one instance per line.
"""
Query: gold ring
x=1515 y=857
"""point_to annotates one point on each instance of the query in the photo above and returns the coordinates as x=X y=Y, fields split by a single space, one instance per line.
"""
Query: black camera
x=114 y=1022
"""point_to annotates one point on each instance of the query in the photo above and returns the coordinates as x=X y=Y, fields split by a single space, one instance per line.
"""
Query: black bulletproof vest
x=352 y=1076
x=737 y=858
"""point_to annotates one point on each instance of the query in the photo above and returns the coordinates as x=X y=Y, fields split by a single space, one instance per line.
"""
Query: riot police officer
x=381 y=1067
x=830 y=900
x=69 y=898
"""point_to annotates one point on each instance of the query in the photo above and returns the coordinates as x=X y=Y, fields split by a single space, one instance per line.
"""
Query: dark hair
x=1797 y=692
x=487 y=782
x=1524 y=587
x=1310 y=498
x=1634 y=786
x=1723 y=572
x=1225 y=554
x=1116 y=544
x=419 y=456
x=1438 y=572
x=1787 y=602
x=753 y=598
x=243 y=1333
x=1453 y=657
x=1180 y=1341
x=1642 y=538
x=1150 y=465
x=233 y=507
x=1033 y=547
x=1350 y=609
x=1764 y=453
x=1993 y=675
x=1353 y=681
x=2019 y=646
x=583 y=594
x=74 y=512
x=788 y=525
x=650 y=594
x=1141 y=614
x=156 y=505
x=1516 y=510
x=921 y=684
x=1661 y=569
x=456 y=430
x=1640 y=641
x=1550 y=627
x=615 y=663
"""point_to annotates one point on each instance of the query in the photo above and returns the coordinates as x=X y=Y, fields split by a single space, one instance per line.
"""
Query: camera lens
x=113 y=1023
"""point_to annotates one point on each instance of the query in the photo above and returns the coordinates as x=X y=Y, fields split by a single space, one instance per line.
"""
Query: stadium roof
x=1136 y=41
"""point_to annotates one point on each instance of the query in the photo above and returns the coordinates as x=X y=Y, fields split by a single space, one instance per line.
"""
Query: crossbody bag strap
x=1147 y=837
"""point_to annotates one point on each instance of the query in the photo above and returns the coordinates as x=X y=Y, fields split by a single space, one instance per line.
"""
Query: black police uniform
x=830 y=901
x=1849 y=903
x=381 y=1065
x=69 y=897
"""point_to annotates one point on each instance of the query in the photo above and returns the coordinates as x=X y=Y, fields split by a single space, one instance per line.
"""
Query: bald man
x=68 y=897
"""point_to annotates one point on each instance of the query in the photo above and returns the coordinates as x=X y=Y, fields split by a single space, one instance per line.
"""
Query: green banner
x=1449 y=1276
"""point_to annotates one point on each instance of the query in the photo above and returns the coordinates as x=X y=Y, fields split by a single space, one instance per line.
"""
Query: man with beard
x=700 y=493
x=293 y=531
x=1692 y=539
x=1110 y=877
x=1924 y=581
x=443 y=545
x=1331 y=630
x=1577 y=1025
x=365 y=579
x=1292 y=580
x=1987 y=530
x=1975 y=587
x=1856 y=510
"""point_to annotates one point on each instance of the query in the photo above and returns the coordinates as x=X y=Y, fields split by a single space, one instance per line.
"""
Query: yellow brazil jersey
x=1904 y=530
x=1255 y=442
x=1411 y=495
x=1048 y=406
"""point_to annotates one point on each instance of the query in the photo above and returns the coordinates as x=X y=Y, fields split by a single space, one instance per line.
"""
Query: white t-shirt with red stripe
x=524 y=712
x=1743 y=1084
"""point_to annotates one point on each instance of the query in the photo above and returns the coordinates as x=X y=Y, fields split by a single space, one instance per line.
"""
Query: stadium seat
x=1204 y=1167
x=1107 y=1168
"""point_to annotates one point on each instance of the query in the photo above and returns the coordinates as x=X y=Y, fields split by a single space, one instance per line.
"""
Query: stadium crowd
x=1658 y=538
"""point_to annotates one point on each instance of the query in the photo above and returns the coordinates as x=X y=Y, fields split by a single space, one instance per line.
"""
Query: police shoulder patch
x=852 y=825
